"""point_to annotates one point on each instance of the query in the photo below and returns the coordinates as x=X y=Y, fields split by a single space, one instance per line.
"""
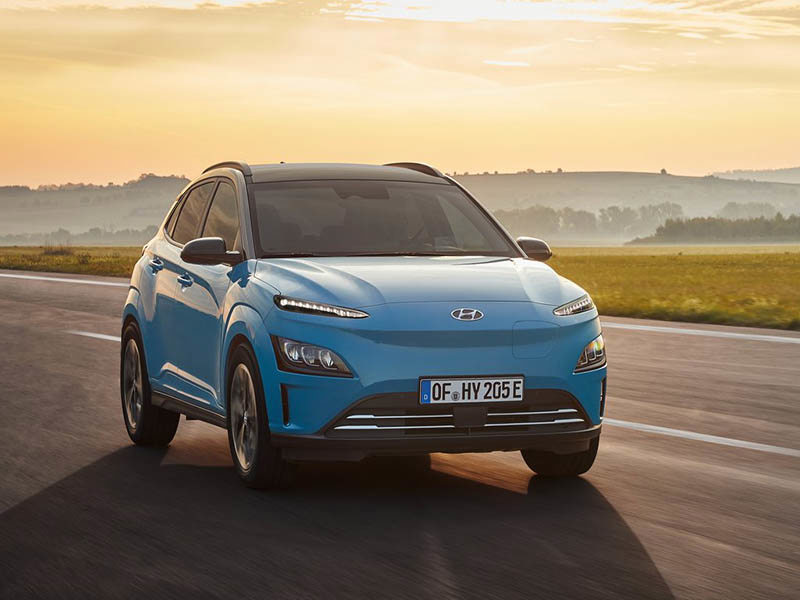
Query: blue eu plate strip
x=425 y=391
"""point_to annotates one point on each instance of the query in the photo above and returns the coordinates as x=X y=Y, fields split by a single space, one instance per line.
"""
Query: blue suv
x=338 y=311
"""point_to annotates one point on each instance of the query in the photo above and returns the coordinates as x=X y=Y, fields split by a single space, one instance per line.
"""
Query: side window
x=223 y=217
x=170 y=224
x=192 y=211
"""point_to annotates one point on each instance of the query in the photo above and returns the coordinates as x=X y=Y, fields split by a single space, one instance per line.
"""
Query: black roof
x=311 y=171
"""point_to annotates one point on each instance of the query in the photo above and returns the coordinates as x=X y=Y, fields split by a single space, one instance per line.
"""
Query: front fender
x=244 y=321
x=132 y=309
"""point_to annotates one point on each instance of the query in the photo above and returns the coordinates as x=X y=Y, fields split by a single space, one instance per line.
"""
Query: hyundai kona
x=339 y=311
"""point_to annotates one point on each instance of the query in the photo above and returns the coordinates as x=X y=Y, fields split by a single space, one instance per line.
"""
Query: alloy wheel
x=244 y=426
x=133 y=396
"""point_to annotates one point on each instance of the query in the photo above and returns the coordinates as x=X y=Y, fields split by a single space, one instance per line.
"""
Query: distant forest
x=612 y=222
x=790 y=175
x=564 y=225
x=715 y=229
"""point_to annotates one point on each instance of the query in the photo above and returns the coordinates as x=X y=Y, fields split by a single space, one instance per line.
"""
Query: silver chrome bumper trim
x=374 y=427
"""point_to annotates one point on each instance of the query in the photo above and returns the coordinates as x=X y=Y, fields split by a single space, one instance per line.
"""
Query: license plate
x=471 y=389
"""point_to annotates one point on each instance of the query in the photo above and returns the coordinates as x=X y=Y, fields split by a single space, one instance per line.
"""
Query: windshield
x=371 y=218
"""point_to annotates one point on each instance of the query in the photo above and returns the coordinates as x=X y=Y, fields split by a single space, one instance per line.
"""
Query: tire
x=258 y=463
x=550 y=464
x=147 y=425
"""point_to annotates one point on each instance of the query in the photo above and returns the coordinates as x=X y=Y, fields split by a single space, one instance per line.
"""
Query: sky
x=100 y=91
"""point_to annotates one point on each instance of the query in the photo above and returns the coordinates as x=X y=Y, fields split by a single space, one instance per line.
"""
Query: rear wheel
x=147 y=425
x=551 y=464
x=258 y=463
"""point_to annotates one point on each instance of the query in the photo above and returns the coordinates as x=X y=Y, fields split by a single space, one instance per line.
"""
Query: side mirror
x=535 y=248
x=209 y=251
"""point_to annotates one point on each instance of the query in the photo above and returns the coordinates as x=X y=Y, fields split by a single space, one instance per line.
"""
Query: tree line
x=665 y=219
x=610 y=222
x=717 y=229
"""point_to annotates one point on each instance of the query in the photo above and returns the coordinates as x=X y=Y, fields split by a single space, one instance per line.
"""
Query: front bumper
x=317 y=448
x=395 y=424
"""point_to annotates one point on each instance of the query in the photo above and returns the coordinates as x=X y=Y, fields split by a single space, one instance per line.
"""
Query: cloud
x=123 y=90
x=507 y=63
x=753 y=17
x=637 y=68
x=740 y=36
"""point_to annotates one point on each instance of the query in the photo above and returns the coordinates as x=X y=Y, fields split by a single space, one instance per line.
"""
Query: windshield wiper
x=396 y=254
x=291 y=255
x=335 y=254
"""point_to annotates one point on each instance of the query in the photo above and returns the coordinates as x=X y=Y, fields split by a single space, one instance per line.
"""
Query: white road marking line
x=702 y=437
x=99 y=336
x=66 y=280
x=704 y=332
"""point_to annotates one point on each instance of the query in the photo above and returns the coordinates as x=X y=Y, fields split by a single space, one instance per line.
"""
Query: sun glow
x=480 y=85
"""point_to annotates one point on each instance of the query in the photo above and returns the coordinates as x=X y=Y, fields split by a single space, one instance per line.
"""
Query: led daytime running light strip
x=329 y=310
x=582 y=304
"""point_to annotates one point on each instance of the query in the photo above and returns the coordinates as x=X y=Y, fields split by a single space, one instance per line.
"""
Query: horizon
x=456 y=173
x=106 y=91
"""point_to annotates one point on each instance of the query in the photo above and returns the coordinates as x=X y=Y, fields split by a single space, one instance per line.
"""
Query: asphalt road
x=83 y=513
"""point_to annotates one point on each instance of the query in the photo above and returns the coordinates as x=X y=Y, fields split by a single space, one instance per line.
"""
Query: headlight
x=593 y=356
x=318 y=308
x=580 y=305
x=308 y=358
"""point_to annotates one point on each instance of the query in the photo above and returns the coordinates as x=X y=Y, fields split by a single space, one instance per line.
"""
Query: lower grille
x=398 y=415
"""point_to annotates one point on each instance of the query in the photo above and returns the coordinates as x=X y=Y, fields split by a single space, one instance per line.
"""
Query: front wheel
x=258 y=463
x=147 y=425
x=550 y=464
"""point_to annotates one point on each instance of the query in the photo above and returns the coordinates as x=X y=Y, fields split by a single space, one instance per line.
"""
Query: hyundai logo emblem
x=467 y=314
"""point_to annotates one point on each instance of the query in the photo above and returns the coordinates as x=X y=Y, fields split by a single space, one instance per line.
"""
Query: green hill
x=698 y=196
x=79 y=207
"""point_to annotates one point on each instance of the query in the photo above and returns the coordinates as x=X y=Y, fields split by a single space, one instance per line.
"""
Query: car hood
x=368 y=281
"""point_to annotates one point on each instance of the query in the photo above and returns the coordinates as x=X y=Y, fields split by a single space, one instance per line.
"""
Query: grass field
x=726 y=285
x=88 y=260
x=733 y=285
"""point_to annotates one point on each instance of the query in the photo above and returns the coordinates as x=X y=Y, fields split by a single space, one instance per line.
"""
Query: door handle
x=156 y=264
x=185 y=280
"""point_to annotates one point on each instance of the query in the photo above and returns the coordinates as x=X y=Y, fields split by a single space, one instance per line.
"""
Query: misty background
x=559 y=206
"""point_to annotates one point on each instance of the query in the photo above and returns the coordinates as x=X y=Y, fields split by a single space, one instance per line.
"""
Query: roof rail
x=419 y=167
x=239 y=165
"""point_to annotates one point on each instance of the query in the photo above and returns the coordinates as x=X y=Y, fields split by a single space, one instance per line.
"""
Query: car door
x=156 y=285
x=201 y=296
x=174 y=335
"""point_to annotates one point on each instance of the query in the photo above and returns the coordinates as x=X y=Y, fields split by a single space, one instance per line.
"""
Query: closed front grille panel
x=399 y=415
